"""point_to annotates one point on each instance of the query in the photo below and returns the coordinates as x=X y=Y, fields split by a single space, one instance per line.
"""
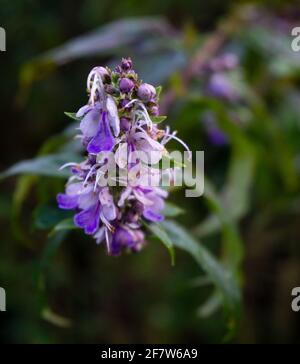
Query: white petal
x=100 y=234
x=113 y=115
x=83 y=110
x=121 y=155
x=124 y=196
x=74 y=188
x=89 y=124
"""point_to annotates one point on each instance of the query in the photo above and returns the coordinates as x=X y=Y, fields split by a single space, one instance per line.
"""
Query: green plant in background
x=231 y=92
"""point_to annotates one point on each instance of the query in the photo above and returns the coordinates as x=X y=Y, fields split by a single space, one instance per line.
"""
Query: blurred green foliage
x=243 y=233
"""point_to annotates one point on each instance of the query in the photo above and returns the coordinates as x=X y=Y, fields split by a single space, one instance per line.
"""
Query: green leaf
x=55 y=238
x=72 y=115
x=55 y=319
x=172 y=210
x=42 y=166
x=158 y=91
x=233 y=201
x=52 y=244
x=158 y=119
x=103 y=41
x=47 y=216
x=66 y=224
x=221 y=219
x=161 y=234
x=210 y=306
x=222 y=278
x=23 y=187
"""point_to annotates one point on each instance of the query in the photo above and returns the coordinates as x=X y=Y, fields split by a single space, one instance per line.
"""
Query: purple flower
x=146 y=92
x=102 y=72
x=151 y=201
x=137 y=140
x=154 y=110
x=69 y=200
x=125 y=124
x=77 y=196
x=88 y=219
x=113 y=115
x=126 y=64
x=124 y=104
x=114 y=127
x=224 y=62
x=103 y=140
x=216 y=136
x=153 y=212
x=126 y=237
x=90 y=121
x=220 y=86
x=126 y=85
x=96 y=206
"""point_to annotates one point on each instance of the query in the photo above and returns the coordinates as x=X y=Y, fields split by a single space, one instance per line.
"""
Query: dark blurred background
x=67 y=290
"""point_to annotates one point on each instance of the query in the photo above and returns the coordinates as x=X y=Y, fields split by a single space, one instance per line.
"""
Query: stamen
x=70 y=164
x=98 y=176
x=142 y=113
x=173 y=136
x=97 y=85
x=107 y=241
x=90 y=173
x=106 y=222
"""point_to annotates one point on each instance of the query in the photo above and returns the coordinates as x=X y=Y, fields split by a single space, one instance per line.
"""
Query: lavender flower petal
x=88 y=219
x=103 y=140
x=89 y=123
x=67 y=202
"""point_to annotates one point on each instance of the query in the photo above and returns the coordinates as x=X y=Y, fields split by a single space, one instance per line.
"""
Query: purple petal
x=67 y=202
x=113 y=115
x=107 y=204
x=88 y=219
x=124 y=237
x=74 y=188
x=83 y=110
x=221 y=87
x=217 y=136
x=88 y=199
x=89 y=124
x=121 y=238
x=100 y=235
x=152 y=215
x=103 y=140
x=109 y=212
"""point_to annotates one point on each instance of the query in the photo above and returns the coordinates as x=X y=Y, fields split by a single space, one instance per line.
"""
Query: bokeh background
x=231 y=88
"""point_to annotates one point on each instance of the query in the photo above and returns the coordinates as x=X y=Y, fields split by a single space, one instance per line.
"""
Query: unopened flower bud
x=111 y=90
x=220 y=86
x=154 y=110
x=123 y=104
x=126 y=85
x=104 y=74
x=146 y=92
x=126 y=64
x=92 y=159
x=124 y=124
x=230 y=61
x=118 y=69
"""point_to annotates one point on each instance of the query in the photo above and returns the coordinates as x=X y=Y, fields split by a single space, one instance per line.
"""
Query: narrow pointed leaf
x=162 y=235
x=222 y=278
